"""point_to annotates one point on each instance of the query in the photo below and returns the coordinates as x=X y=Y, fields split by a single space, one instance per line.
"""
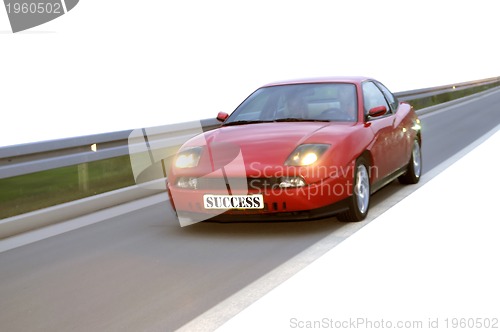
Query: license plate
x=227 y=202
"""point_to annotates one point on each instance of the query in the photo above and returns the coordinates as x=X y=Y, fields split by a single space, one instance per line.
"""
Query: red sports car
x=298 y=149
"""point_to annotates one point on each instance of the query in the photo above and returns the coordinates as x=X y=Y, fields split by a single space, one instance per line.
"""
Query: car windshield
x=298 y=102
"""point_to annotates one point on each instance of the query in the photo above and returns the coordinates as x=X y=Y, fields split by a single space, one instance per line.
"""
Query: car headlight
x=306 y=154
x=187 y=183
x=292 y=182
x=188 y=158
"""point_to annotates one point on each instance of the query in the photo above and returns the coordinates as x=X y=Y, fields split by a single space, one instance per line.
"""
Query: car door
x=401 y=124
x=385 y=149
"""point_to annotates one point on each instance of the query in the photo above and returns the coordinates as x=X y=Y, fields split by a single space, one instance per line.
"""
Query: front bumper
x=318 y=200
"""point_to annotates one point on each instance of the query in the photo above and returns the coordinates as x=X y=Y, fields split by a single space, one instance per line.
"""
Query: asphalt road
x=142 y=272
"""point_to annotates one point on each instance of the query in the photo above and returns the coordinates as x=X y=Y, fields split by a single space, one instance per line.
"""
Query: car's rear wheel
x=359 y=201
x=414 y=168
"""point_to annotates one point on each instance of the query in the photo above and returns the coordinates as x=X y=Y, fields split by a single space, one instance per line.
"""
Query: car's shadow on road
x=261 y=229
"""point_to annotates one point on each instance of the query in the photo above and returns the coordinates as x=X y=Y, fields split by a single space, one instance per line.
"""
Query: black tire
x=359 y=201
x=414 y=168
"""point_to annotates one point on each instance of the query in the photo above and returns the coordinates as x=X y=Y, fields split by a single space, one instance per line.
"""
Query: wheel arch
x=368 y=157
x=419 y=137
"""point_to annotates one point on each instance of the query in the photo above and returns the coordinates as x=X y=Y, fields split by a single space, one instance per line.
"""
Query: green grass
x=31 y=192
x=34 y=191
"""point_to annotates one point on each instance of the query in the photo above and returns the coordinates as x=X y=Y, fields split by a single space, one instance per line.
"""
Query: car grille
x=252 y=184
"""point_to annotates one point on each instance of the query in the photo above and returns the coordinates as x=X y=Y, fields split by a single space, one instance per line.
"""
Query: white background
x=120 y=64
x=417 y=262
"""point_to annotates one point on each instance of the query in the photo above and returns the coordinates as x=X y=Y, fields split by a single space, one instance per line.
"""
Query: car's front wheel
x=359 y=201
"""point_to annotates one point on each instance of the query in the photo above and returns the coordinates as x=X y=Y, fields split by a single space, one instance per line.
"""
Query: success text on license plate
x=226 y=202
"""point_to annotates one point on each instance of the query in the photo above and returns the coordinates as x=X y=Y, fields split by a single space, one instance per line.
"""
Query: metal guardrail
x=34 y=157
x=428 y=92
x=40 y=156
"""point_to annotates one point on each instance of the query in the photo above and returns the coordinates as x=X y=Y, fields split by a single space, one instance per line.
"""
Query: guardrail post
x=83 y=177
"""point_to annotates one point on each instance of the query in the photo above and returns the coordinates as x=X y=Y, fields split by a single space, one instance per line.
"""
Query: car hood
x=266 y=144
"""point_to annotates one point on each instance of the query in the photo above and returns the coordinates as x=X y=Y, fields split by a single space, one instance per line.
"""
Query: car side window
x=373 y=97
x=393 y=101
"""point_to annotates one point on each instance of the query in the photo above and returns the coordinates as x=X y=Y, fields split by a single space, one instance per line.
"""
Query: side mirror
x=377 y=111
x=222 y=116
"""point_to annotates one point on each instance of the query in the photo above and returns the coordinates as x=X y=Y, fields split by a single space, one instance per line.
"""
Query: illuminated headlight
x=187 y=183
x=306 y=154
x=292 y=182
x=188 y=158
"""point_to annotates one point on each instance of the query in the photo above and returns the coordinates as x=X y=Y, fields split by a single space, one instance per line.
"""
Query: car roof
x=331 y=79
